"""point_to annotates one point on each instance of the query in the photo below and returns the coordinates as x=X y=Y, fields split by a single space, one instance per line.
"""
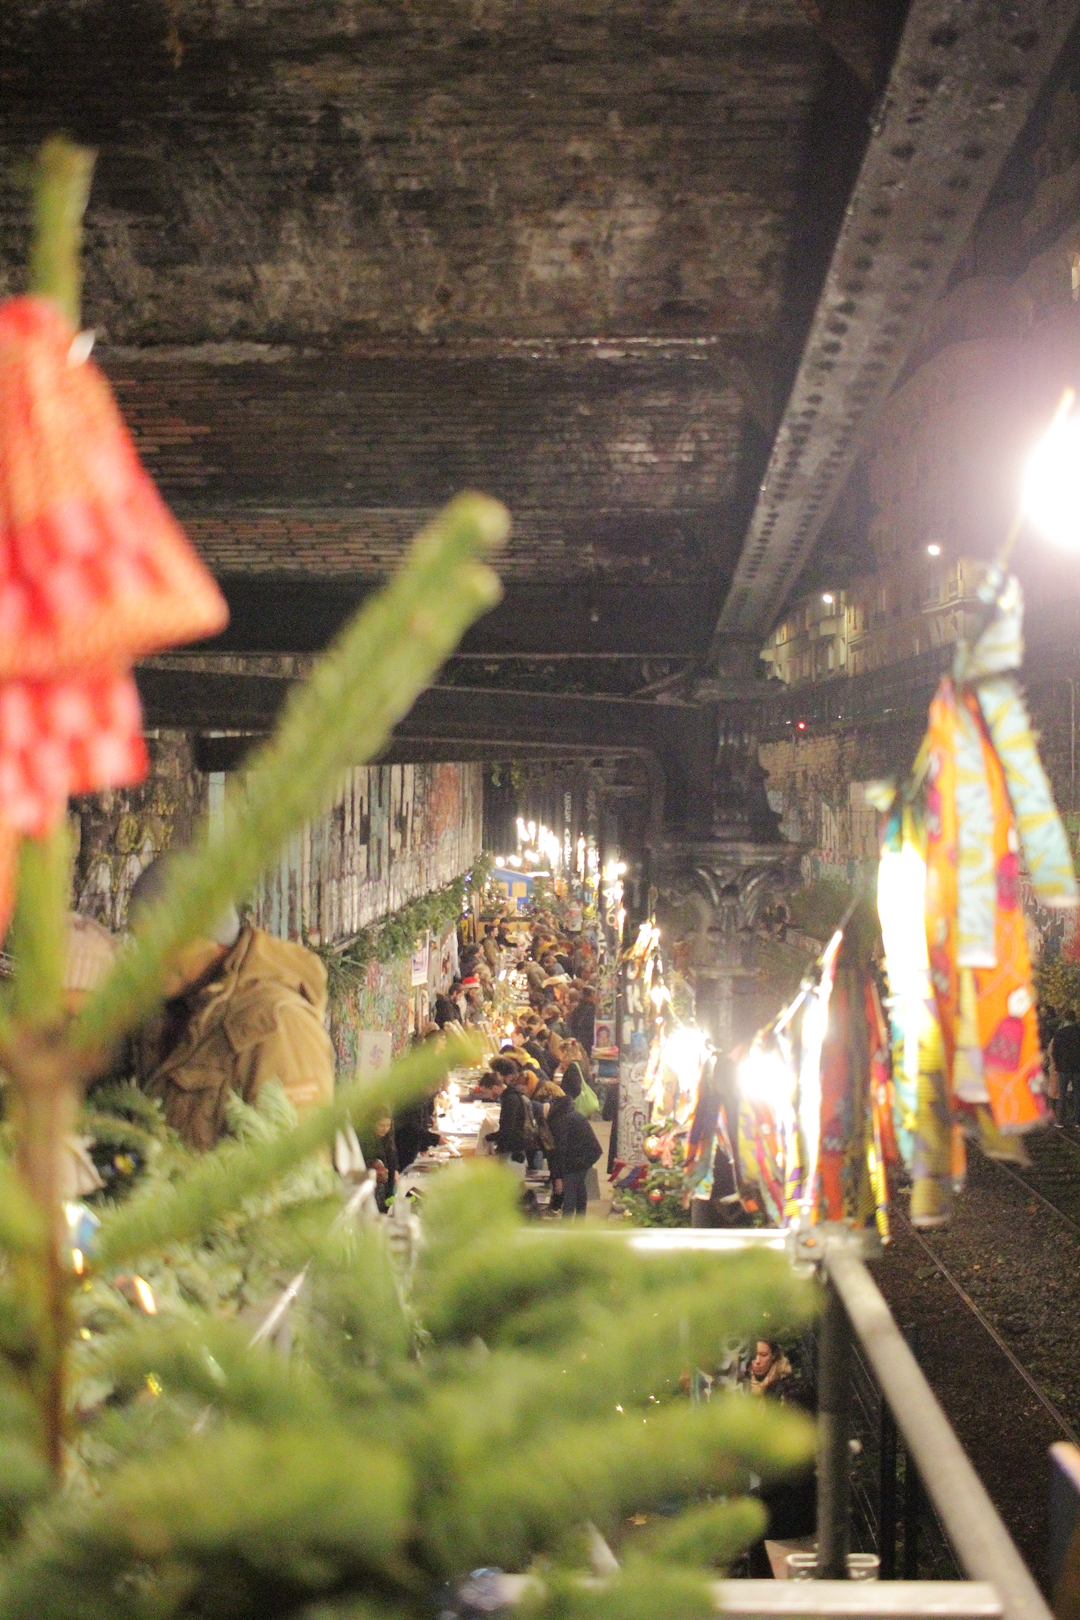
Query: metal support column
x=834 y=1427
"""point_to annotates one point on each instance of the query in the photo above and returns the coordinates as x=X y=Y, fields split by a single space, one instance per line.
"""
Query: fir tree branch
x=599 y=1470
x=340 y=717
x=61 y=179
x=233 y=1173
x=38 y=930
x=394 y=938
x=710 y=1534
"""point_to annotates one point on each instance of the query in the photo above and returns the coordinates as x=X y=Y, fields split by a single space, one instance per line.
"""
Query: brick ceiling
x=345 y=258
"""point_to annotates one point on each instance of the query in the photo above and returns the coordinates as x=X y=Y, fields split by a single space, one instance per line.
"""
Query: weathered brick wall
x=119 y=832
x=341 y=165
x=328 y=466
x=816 y=783
x=816 y=780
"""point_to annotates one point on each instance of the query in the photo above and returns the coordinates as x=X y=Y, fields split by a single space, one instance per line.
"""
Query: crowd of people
x=532 y=987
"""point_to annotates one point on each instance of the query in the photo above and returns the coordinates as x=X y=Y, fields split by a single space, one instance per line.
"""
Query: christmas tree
x=477 y=1398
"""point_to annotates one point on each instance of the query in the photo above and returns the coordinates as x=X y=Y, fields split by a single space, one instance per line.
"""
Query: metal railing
x=855 y=1319
x=855 y=1314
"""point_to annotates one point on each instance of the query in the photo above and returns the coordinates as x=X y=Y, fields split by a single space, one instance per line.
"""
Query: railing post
x=834 y=1425
x=912 y=1488
x=887 y=1492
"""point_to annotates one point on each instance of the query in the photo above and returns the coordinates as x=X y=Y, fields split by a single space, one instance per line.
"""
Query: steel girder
x=966 y=76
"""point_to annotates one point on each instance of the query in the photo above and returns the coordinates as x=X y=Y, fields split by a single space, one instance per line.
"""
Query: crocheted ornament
x=94 y=571
x=62 y=737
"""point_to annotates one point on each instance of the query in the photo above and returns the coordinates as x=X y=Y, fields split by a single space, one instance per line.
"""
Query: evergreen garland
x=394 y=937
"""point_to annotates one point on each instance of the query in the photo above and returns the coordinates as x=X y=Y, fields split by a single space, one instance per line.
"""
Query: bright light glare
x=684 y=1051
x=144 y=1295
x=1052 y=482
x=765 y=1077
x=827 y=598
x=933 y=551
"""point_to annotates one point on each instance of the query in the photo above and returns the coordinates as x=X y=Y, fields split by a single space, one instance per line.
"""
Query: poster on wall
x=604 y=1035
x=448 y=959
x=420 y=963
x=374 y=1052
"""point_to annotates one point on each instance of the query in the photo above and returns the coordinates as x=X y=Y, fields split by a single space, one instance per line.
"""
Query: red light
x=801 y=725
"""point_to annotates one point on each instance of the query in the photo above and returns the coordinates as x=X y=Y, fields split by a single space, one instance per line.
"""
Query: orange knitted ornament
x=94 y=571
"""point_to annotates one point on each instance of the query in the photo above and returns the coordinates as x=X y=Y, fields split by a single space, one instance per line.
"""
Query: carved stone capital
x=710 y=898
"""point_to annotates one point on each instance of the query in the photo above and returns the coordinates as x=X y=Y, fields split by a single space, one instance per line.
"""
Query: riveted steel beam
x=966 y=76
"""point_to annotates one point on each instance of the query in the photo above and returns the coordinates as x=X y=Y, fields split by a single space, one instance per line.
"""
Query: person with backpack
x=575 y=1145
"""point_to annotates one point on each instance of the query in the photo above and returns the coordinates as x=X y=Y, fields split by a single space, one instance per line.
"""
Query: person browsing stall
x=242 y=1009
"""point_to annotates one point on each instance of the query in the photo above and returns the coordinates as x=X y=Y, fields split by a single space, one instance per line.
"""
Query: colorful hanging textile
x=965 y=1041
x=815 y=1135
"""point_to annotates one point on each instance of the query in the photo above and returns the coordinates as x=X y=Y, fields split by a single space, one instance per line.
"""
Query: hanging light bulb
x=1051 y=489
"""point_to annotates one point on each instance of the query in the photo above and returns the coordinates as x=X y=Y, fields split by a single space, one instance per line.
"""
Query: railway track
x=988 y=1327
x=1052 y=1179
x=1053 y=1176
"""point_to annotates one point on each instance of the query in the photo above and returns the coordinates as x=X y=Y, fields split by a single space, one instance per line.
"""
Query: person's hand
x=380 y=1171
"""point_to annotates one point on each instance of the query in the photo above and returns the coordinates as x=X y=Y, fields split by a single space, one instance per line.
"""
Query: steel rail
x=984 y=1322
x=973 y=1526
x=1014 y=1175
x=964 y=80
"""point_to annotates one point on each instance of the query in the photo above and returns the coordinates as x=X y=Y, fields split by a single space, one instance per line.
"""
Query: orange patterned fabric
x=942 y=855
x=1008 y=1031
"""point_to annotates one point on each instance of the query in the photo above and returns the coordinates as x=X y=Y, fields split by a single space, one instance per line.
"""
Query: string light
x=144 y=1295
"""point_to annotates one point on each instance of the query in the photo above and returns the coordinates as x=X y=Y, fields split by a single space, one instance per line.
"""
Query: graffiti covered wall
x=394 y=832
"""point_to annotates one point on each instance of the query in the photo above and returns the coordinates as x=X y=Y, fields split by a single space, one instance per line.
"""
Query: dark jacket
x=375 y=1147
x=514 y=1109
x=581 y=1024
x=546 y=1059
x=576 y=1146
x=1065 y=1049
x=413 y=1131
x=447 y=1010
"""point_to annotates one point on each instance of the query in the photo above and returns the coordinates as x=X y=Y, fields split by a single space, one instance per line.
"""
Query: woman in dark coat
x=576 y=1148
x=515 y=1113
x=581 y=1023
x=379 y=1147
